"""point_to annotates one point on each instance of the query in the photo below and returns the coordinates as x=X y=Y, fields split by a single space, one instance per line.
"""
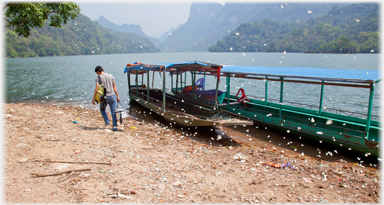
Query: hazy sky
x=153 y=17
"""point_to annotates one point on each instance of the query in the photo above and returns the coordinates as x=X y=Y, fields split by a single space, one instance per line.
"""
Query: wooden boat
x=171 y=108
x=357 y=131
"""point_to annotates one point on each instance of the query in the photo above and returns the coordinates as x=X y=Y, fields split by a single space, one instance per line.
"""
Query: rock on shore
x=148 y=163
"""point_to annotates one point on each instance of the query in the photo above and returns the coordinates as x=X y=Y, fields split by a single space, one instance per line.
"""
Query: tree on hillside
x=341 y=45
x=24 y=16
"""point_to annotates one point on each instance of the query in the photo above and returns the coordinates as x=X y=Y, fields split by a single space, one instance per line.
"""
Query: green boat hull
x=335 y=129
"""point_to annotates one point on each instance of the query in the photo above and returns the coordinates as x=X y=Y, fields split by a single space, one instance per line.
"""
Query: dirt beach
x=61 y=154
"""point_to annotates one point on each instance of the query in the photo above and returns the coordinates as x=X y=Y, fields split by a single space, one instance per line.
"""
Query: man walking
x=111 y=96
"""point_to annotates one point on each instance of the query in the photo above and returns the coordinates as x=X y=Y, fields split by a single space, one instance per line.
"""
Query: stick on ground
x=73 y=162
x=54 y=174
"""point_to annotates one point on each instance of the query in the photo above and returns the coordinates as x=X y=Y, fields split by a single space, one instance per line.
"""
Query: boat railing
x=300 y=105
x=352 y=114
x=316 y=107
x=329 y=127
x=158 y=103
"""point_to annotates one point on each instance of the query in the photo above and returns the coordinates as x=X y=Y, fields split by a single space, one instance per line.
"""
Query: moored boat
x=173 y=109
x=356 y=131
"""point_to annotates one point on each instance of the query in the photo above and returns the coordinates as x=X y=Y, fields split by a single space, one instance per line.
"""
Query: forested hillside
x=80 y=36
x=348 y=29
x=210 y=22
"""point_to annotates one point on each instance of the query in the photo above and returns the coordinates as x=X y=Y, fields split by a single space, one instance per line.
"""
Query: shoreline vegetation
x=61 y=154
x=80 y=36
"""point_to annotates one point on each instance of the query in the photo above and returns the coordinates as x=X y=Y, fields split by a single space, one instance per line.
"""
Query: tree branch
x=12 y=4
x=12 y=22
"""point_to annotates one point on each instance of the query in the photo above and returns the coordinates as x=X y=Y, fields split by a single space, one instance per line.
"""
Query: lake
x=70 y=80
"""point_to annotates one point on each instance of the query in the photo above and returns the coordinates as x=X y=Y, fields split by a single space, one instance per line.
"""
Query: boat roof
x=173 y=66
x=191 y=66
x=141 y=66
x=326 y=74
x=182 y=66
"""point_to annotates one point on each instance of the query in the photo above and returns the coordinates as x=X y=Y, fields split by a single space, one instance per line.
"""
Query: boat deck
x=179 y=107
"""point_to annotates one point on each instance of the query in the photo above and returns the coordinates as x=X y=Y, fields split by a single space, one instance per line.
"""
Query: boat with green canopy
x=175 y=110
x=356 y=131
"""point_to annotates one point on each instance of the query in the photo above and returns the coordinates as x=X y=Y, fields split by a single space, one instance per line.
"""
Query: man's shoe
x=105 y=126
x=114 y=129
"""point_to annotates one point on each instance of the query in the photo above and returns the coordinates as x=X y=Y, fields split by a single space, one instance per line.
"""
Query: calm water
x=71 y=79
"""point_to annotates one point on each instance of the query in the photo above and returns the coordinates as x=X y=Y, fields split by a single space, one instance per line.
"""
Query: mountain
x=126 y=28
x=346 y=29
x=80 y=36
x=209 y=22
x=165 y=35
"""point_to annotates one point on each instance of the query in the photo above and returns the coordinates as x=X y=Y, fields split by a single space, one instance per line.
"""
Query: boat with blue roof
x=176 y=111
x=354 y=130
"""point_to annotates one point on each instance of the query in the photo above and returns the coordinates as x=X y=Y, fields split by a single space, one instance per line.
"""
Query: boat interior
x=180 y=107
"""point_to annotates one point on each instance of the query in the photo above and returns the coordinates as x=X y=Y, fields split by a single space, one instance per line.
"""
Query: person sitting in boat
x=144 y=86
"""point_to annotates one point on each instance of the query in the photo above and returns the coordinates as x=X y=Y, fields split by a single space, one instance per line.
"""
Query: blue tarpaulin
x=131 y=67
x=160 y=66
x=329 y=74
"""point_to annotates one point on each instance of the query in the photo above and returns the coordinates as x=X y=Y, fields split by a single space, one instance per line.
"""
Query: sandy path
x=153 y=164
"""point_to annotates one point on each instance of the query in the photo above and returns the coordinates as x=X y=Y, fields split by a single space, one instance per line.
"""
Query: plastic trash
x=307 y=180
x=280 y=166
x=77 y=151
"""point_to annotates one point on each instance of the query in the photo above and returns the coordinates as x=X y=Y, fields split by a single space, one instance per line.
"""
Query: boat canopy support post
x=164 y=100
x=228 y=89
x=217 y=91
x=266 y=90
x=142 y=79
x=181 y=80
x=137 y=84
x=171 y=82
x=153 y=79
x=185 y=79
x=370 y=109
x=129 y=82
x=177 y=81
x=321 y=98
x=193 y=85
x=148 y=85
x=281 y=96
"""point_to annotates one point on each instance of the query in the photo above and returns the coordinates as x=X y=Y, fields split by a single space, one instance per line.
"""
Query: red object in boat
x=242 y=98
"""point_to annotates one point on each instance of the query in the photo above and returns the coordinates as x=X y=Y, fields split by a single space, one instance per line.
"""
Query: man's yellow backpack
x=100 y=92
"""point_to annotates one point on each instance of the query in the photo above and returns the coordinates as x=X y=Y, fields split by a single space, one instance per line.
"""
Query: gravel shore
x=56 y=154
